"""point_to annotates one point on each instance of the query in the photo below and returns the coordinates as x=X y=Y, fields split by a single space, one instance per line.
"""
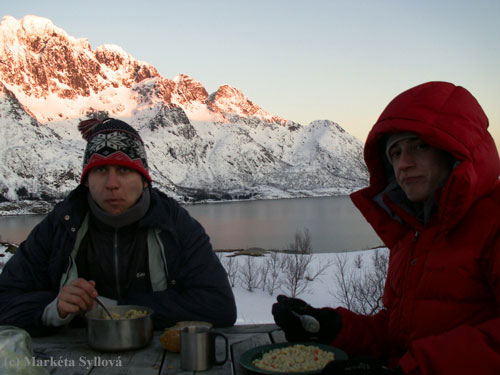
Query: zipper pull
x=417 y=234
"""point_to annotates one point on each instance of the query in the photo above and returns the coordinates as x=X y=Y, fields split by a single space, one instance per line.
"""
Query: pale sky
x=301 y=60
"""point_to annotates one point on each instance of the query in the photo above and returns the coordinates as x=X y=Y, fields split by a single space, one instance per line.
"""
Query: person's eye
x=422 y=146
x=124 y=170
x=394 y=154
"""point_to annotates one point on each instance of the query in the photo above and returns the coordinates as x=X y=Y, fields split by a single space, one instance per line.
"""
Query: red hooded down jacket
x=442 y=294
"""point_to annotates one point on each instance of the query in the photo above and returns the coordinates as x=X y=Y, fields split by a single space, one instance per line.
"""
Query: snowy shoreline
x=39 y=207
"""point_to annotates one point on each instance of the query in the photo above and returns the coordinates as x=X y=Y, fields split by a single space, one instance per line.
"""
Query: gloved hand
x=285 y=312
x=359 y=366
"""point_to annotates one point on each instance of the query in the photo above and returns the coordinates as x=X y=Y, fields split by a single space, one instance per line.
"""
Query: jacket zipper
x=408 y=267
x=117 y=266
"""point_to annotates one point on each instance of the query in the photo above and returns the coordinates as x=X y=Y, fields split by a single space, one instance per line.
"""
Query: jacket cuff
x=51 y=315
x=408 y=364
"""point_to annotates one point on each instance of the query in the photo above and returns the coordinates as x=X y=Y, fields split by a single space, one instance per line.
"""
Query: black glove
x=359 y=366
x=283 y=313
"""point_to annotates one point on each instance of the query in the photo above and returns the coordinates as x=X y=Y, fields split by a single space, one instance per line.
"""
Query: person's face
x=419 y=168
x=115 y=188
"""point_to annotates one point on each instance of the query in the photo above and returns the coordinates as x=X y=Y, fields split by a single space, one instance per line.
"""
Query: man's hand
x=284 y=313
x=76 y=297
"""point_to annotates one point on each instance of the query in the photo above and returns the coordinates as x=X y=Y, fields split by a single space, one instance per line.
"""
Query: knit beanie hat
x=112 y=142
x=392 y=139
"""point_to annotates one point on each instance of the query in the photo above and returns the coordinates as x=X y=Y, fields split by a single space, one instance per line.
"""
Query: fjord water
x=333 y=222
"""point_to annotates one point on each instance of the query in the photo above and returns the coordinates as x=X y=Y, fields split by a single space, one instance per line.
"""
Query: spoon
x=309 y=323
x=104 y=307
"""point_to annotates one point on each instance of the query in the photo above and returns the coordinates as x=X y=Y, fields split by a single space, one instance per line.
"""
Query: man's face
x=115 y=188
x=419 y=168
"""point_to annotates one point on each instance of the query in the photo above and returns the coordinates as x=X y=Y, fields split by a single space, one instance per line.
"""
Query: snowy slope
x=199 y=145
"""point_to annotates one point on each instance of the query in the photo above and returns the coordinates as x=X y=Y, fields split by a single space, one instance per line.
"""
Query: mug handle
x=214 y=337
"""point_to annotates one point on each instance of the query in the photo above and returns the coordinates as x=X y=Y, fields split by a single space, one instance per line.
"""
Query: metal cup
x=198 y=348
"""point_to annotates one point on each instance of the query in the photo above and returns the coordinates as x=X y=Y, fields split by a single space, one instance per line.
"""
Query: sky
x=302 y=60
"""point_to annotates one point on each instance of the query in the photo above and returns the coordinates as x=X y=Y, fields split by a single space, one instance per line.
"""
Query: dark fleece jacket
x=198 y=288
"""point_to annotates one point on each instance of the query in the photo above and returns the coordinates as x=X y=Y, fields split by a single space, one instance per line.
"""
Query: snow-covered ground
x=4 y=256
x=255 y=306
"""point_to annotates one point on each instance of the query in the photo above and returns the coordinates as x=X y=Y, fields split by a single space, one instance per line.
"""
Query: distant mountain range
x=200 y=146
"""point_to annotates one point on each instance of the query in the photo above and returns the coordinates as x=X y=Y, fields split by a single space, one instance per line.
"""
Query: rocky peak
x=230 y=100
x=114 y=57
x=38 y=59
x=189 y=90
x=44 y=60
x=125 y=68
x=30 y=28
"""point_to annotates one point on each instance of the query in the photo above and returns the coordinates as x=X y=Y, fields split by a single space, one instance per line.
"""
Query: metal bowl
x=119 y=335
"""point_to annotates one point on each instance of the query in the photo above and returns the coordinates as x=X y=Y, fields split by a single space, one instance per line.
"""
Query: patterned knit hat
x=112 y=142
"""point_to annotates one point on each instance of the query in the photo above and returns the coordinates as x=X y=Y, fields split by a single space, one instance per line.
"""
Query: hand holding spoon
x=104 y=307
x=309 y=323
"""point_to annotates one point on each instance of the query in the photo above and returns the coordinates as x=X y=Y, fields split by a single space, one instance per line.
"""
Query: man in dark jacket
x=434 y=199
x=117 y=237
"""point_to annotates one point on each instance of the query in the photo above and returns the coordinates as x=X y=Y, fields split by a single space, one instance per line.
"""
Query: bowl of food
x=131 y=328
x=298 y=358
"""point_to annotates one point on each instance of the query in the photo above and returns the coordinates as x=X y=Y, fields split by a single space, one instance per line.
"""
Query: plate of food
x=299 y=358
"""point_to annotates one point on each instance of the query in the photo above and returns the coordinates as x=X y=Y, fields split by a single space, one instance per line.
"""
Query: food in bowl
x=130 y=314
x=295 y=358
x=122 y=334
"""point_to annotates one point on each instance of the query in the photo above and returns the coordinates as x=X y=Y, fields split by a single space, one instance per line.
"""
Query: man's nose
x=406 y=160
x=112 y=179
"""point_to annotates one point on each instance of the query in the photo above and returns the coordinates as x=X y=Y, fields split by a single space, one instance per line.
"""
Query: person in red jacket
x=434 y=199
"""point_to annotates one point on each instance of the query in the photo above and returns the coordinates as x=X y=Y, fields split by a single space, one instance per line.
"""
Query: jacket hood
x=447 y=117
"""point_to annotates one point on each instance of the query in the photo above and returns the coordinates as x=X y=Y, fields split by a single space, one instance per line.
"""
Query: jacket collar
x=74 y=208
x=130 y=216
x=160 y=213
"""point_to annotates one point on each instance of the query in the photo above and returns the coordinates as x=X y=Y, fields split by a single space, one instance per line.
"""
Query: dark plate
x=247 y=358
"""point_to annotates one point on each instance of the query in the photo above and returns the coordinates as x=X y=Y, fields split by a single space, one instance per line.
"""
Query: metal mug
x=198 y=348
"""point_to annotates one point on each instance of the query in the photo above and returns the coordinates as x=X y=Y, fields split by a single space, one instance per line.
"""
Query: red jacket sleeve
x=363 y=335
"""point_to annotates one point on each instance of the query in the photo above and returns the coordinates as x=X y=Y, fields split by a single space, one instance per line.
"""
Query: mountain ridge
x=200 y=146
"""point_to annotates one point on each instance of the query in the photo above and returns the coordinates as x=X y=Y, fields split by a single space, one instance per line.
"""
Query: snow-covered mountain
x=199 y=145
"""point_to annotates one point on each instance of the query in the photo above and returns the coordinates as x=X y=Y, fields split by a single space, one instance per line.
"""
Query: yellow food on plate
x=295 y=358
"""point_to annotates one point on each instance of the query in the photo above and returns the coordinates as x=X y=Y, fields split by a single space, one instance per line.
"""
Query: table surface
x=68 y=353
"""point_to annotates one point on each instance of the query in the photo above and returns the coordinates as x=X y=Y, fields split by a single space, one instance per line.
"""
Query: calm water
x=334 y=223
